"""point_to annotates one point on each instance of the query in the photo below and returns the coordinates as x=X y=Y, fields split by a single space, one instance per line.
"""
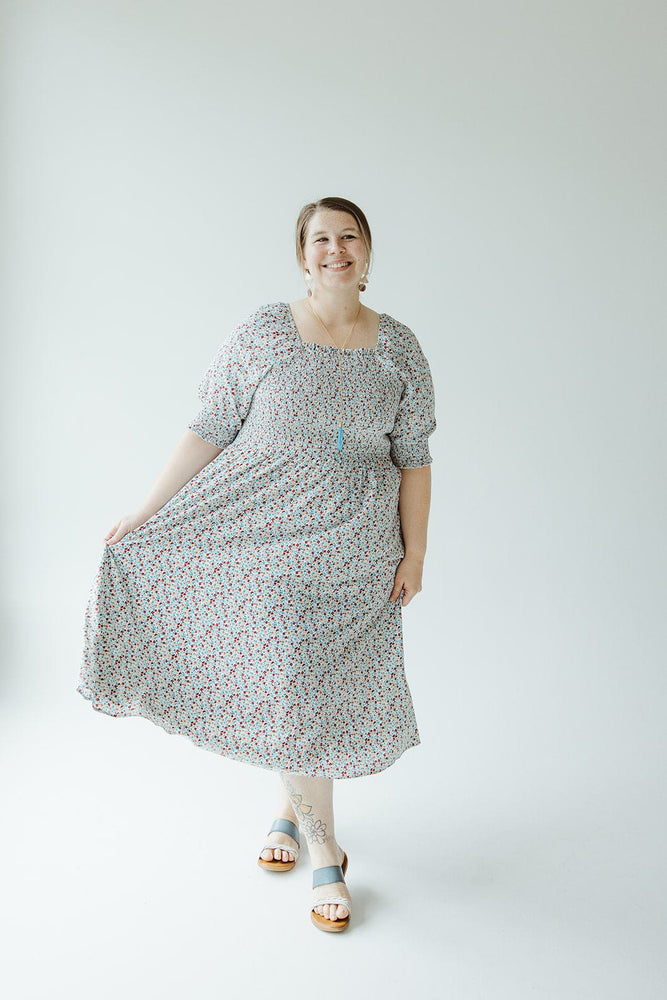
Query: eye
x=346 y=236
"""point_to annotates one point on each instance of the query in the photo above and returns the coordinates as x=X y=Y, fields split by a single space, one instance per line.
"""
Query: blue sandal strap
x=332 y=873
x=286 y=826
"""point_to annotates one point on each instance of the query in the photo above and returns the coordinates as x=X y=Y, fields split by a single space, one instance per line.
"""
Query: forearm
x=188 y=458
x=414 y=504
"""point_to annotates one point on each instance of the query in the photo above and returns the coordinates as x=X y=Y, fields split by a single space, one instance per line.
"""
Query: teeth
x=338 y=266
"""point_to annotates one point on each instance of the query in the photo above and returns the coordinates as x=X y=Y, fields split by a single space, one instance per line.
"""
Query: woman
x=253 y=603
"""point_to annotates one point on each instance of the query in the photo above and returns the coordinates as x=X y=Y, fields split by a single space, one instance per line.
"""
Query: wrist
x=141 y=515
x=415 y=555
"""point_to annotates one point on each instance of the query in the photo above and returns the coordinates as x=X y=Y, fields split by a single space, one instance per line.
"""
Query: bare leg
x=283 y=811
x=312 y=801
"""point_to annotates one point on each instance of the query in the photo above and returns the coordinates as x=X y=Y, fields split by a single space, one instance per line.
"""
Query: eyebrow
x=321 y=232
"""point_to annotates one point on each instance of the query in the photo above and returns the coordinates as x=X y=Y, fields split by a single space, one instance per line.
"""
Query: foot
x=276 y=854
x=332 y=911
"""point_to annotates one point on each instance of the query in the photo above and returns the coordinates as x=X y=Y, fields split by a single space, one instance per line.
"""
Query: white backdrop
x=510 y=159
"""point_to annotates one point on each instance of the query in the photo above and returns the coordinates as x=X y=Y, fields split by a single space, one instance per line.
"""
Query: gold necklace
x=339 y=438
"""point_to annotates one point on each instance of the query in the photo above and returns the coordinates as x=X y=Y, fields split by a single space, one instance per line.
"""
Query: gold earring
x=308 y=286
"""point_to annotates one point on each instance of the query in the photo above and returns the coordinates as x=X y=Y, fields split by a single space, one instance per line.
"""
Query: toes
x=332 y=911
x=276 y=854
x=280 y=855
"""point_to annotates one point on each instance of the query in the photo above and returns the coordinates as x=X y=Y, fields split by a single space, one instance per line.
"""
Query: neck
x=336 y=308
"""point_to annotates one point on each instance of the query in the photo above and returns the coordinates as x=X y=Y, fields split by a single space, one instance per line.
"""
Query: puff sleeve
x=415 y=417
x=227 y=386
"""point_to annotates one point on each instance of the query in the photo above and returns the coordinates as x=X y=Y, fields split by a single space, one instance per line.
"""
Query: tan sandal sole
x=276 y=866
x=325 y=924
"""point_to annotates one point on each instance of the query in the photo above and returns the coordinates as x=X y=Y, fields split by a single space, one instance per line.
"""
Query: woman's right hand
x=126 y=523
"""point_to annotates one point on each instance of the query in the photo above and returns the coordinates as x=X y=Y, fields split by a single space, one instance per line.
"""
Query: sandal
x=323 y=876
x=282 y=826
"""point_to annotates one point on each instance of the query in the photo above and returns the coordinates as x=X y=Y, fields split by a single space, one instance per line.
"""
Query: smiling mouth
x=339 y=266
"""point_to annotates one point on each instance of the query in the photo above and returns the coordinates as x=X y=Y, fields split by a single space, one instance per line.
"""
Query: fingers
x=408 y=593
x=110 y=536
x=121 y=533
x=119 y=530
x=407 y=578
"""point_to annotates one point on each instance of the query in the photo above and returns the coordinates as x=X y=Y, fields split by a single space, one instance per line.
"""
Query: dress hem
x=117 y=712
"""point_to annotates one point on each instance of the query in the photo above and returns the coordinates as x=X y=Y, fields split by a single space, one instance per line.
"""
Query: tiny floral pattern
x=251 y=613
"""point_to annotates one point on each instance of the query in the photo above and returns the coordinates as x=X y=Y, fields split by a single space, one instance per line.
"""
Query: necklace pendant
x=340 y=438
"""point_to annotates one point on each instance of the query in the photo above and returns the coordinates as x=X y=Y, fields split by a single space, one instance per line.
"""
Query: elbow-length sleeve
x=415 y=418
x=227 y=386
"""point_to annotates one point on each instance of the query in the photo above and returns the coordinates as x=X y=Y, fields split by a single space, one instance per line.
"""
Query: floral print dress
x=251 y=613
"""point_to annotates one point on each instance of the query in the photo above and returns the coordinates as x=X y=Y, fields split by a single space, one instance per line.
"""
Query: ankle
x=288 y=815
x=323 y=855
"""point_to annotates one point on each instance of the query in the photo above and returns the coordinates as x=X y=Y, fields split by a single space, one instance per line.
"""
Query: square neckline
x=332 y=347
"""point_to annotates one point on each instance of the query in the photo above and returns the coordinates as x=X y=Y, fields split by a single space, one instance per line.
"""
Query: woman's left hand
x=408 y=578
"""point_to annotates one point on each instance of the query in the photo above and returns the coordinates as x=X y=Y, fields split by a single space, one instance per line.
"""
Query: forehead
x=328 y=219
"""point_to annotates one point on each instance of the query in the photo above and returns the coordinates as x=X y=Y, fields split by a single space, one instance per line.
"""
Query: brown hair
x=338 y=205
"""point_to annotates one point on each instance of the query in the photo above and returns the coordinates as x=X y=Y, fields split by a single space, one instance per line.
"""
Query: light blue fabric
x=286 y=826
x=323 y=876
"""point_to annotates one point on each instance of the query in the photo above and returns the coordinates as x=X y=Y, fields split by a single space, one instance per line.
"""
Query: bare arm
x=188 y=458
x=414 y=503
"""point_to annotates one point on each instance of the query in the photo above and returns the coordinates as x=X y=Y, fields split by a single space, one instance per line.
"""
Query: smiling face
x=334 y=250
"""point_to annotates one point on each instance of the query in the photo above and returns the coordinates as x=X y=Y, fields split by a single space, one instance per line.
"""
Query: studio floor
x=130 y=872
